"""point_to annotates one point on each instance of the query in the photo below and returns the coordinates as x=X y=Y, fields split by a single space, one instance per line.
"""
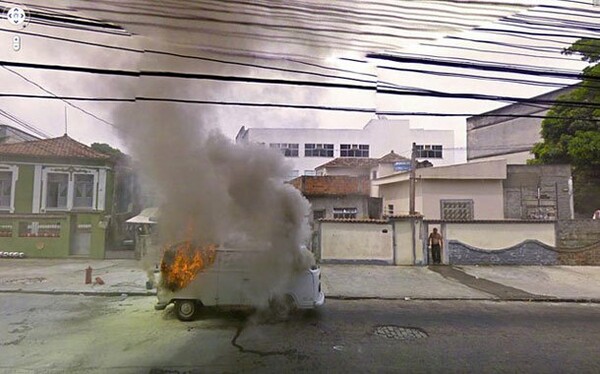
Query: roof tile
x=61 y=147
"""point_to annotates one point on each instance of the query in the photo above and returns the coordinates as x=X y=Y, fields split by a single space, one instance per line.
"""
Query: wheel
x=282 y=306
x=185 y=310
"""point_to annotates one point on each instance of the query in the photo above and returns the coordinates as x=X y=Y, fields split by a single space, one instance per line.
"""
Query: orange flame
x=183 y=261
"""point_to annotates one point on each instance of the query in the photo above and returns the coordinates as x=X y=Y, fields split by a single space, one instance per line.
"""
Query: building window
x=57 y=190
x=287 y=149
x=5 y=189
x=390 y=209
x=318 y=214
x=429 y=151
x=65 y=189
x=374 y=174
x=84 y=191
x=460 y=210
x=318 y=150
x=354 y=150
x=345 y=213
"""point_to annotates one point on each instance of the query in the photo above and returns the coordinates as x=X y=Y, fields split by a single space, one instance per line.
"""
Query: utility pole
x=413 y=167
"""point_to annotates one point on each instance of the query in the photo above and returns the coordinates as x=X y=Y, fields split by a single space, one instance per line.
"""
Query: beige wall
x=487 y=196
x=492 y=236
x=396 y=194
x=404 y=243
x=356 y=241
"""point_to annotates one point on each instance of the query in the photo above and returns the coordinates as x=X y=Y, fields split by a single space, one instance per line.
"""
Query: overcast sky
x=282 y=64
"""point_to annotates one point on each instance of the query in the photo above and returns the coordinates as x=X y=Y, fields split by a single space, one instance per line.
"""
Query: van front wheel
x=185 y=310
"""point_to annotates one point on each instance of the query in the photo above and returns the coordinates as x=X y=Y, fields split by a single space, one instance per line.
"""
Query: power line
x=56 y=96
x=35 y=130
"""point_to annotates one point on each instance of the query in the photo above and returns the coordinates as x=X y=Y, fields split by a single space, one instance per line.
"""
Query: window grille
x=346 y=213
x=460 y=210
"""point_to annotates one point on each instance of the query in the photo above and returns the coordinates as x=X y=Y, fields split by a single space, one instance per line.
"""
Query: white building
x=307 y=148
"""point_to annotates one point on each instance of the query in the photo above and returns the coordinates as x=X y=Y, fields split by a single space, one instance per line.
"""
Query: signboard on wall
x=402 y=165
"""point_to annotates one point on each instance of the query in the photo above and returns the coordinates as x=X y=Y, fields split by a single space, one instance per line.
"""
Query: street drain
x=400 y=332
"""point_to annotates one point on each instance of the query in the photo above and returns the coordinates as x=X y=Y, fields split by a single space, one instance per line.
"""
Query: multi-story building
x=307 y=148
x=509 y=132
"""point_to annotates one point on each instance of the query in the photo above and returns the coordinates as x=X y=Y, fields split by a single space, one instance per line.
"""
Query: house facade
x=308 y=148
x=56 y=198
x=469 y=191
x=338 y=197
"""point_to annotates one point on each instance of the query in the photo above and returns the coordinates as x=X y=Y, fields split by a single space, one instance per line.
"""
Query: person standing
x=435 y=243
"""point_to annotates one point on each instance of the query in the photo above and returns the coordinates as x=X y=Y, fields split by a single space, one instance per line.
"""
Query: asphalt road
x=83 y=334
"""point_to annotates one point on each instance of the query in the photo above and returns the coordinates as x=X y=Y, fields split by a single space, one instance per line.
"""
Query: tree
x=114 y=153
x=571 y=130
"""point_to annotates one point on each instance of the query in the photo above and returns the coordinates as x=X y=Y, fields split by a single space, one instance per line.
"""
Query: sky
x=311 y=63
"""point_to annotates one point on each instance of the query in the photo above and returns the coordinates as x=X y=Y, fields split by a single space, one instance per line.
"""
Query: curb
x=81 y=293
x=514 y=299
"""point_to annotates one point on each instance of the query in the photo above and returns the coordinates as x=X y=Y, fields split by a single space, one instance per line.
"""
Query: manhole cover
x=400 y=333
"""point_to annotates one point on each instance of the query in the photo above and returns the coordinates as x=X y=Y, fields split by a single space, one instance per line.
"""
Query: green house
x=56 y=198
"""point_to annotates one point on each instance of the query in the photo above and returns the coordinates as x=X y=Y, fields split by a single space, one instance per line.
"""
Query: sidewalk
x=67 y=276
x=545 y=283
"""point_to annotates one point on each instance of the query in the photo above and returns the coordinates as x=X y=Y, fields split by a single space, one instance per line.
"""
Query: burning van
x=193 y=277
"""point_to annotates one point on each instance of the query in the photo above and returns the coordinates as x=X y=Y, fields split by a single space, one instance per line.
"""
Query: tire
x=186 y=310
x=282 y=306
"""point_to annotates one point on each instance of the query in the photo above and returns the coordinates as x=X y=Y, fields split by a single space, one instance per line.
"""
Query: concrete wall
x=499 y=243
x=579 y=242
x=327 y=203
x=507 y=242
x=54 y=245
x=521 y=197
x=397 y=195
x=362 y=242
x=486 y=196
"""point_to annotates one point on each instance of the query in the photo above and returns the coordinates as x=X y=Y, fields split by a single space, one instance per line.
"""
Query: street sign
x=402 y=165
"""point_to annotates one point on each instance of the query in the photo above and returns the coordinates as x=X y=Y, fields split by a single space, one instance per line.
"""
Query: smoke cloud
x=213 y=191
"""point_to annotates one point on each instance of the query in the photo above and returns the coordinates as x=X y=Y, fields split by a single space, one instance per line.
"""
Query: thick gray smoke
x=214 y=191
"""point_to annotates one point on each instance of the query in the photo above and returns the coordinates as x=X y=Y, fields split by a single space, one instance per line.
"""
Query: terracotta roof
x=332 y=185
x=362 y=162
x=62 y=147
x=392 y=157
x=350 y=162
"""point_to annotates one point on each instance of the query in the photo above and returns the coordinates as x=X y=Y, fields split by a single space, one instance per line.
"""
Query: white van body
x=227 y=282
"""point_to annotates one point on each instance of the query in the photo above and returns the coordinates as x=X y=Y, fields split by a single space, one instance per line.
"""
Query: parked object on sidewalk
x=99 y=281
x=227 y=281
x=88 y=275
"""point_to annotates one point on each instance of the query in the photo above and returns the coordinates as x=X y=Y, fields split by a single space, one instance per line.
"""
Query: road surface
x=85 y=334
